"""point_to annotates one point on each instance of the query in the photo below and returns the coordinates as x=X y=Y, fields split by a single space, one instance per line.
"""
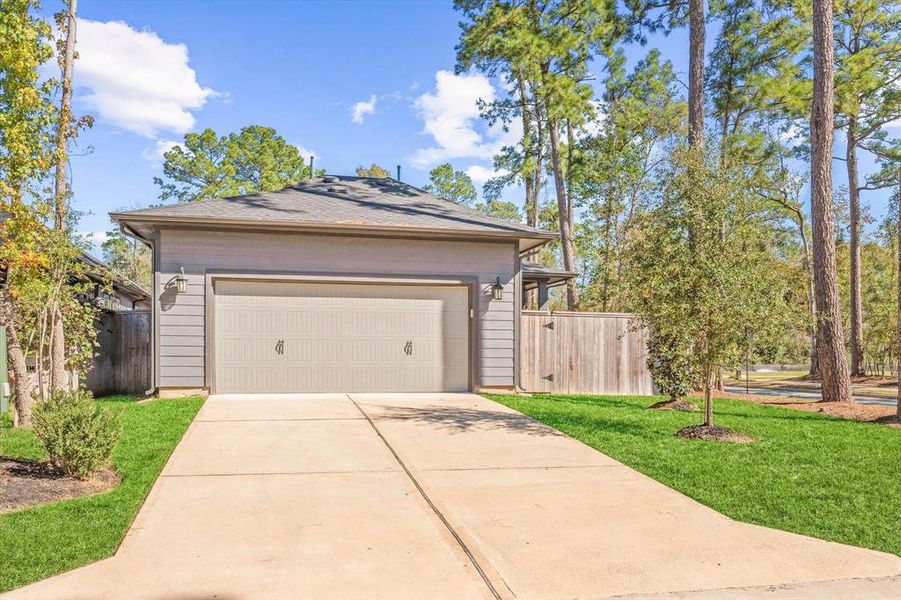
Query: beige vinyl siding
x=181 y=322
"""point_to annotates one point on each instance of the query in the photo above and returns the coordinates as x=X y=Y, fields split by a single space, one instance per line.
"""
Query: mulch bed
x=680 y=405
x=853 y=411
x=714 y=433
x=26 y=483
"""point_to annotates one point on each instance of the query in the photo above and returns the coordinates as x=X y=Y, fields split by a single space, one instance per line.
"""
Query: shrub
x=77 y=435
x=672 y=365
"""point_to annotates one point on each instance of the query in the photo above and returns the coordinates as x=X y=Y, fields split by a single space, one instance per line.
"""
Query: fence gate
x=122 y=357
x=582 y=353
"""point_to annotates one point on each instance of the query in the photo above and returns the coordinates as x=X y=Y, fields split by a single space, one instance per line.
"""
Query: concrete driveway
x=436 y=496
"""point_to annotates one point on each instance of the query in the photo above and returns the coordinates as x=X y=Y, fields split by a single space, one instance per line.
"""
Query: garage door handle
x=280 y=347
x=408 y=348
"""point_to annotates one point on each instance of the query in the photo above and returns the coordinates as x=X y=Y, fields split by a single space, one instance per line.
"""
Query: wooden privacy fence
x=122 y=361
x=583 y=353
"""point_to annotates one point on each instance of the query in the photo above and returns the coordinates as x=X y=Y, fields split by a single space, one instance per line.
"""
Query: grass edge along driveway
x=45 y=540
x=810 y=474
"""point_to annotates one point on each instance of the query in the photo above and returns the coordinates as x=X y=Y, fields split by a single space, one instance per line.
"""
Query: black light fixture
x=181 y=282
x=497 y=290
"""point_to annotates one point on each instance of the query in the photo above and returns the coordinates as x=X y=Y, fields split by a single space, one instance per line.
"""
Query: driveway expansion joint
x=466 y=550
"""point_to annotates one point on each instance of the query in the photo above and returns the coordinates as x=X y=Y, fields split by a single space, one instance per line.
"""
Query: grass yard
x=41 y=541
x=811 y=474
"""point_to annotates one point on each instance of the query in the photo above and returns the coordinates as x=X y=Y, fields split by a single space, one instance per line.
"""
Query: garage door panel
x=340 y=337
x=237 y=320
x=247 y=350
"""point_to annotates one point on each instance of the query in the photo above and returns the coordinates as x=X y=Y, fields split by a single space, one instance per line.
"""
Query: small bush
x=77 y=435
x=672 y=365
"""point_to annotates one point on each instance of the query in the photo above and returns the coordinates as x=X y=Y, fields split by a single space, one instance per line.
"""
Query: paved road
x=398 y=496
x=805 y=393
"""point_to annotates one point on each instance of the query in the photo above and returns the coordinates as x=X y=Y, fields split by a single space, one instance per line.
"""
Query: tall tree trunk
x=528 y=154
x=708 y=401
x=529 y=172
x=811 y=302
x=856 y=300
x=61 y=190
x=566 y=230
x=59 y=379
x=696 y=73
x=836 y=384
x=898 y=244
x=608 y=241
x=23 y=397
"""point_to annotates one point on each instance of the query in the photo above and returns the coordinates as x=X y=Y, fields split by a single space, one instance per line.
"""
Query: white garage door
x=315 y=337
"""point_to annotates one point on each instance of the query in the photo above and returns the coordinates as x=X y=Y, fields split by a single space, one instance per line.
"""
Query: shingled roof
x=338 y=203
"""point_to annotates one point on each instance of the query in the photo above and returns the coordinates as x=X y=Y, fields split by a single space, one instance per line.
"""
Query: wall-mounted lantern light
x=497 y=290
x=181 y=282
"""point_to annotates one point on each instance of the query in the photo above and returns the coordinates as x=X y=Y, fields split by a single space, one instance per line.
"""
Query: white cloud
x=306 y=152
x=135 y=80
x=359 y=110
x=155 y=154
x=793 y=134
x=480 y=174
x=94 y=240
x=451 y=116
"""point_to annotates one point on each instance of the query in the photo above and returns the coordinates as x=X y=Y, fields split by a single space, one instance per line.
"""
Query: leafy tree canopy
x=206 y=165
x=501 y=209
x=452 y=185
x=128 y=257
x=700 y=270
x=372 y=170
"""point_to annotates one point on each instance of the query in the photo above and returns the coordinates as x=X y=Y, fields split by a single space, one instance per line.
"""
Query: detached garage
x=338 y=284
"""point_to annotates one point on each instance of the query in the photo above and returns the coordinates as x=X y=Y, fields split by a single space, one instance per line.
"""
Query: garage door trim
x=468 y=281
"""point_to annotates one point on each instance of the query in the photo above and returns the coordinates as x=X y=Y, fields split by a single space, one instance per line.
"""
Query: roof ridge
x=350 y=201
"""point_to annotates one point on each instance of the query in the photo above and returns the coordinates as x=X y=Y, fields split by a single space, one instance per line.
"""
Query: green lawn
x=829 y=478
x=44 y=540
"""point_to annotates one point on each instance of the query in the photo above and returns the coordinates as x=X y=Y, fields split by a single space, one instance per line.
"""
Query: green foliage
x=616 y=171
x=448 y=184
x=26 y=111
x=77 y=435
x=128 y=257
x=810 y=474
x=501 y=209
x=673 y=368
x=372 y=170
x=699 y=267
x=45 y=540
x=868 y=62
x=879 y=271
x=48 y=267
x=757 y=70
x=206 y=165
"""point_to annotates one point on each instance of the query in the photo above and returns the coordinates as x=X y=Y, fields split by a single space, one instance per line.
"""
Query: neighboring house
x=120 y=295
x=112 y=294
x=336 y=284
x=123 y=295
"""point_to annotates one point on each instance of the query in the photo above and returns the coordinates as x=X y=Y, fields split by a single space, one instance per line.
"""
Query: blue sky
x=353 y=82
